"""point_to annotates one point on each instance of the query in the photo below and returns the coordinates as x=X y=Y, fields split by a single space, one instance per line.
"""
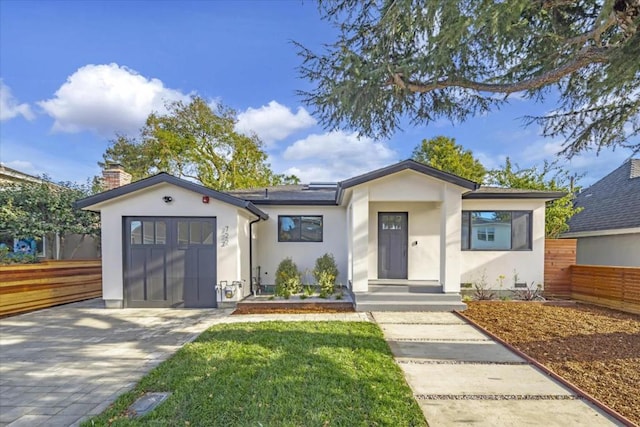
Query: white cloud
x=107 y=99
x=335 y=156
x=23 y=166
x=10 y=107
x=273 y=122
x=490 y=161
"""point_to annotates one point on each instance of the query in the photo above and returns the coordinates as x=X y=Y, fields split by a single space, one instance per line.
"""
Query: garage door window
x=148 y=233
x=195 y=233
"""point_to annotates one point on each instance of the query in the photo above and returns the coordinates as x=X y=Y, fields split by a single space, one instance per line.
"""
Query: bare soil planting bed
x=596 y=349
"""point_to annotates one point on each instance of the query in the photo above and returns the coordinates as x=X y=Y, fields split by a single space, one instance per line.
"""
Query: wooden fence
x=613 y=287
x=27 y=287
x=559 y=256
x=608 y=286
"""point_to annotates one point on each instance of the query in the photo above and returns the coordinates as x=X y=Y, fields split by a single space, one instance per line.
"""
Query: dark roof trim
x=553 y=195
x=164 y=177
x=275 y=202
x=398 y=167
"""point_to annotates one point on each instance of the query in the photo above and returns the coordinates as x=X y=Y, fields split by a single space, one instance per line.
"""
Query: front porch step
x=410 y=306
x=381 y=297
x=406 y=288
x=406 y=296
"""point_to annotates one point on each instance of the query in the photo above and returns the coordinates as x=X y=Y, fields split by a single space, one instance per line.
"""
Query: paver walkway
x=60 y=365
x=460 y=376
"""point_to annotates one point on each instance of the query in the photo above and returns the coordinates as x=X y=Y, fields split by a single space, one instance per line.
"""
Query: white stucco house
x=167 y=242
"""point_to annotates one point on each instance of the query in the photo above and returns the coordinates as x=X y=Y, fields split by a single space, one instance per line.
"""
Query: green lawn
x=278 y=374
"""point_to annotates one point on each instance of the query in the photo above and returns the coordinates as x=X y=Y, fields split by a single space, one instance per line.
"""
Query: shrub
x=482 y=292
x=529 y=293
x=7 y=257
x=288 y=280
x=326 y=272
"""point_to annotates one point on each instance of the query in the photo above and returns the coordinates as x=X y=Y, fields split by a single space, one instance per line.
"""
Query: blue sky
x=74 y=73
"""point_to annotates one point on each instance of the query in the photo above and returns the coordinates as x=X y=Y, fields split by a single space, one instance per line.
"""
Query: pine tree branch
x=587 y=56
x=595 y=33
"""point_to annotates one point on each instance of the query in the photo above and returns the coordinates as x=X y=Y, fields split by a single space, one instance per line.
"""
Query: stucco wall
x=405 y=186
x=616 y=250
x=423 y=253
x=270 y=252
x=185 y=203
x=529 y=265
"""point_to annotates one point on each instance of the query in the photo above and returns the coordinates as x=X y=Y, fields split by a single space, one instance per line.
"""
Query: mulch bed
x=256 y=309
x=596 y=349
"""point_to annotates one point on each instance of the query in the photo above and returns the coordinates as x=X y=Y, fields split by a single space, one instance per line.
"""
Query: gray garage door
x=170 y=262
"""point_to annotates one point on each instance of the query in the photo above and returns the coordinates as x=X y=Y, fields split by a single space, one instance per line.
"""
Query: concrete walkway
x=60 y=365
x=460 y=376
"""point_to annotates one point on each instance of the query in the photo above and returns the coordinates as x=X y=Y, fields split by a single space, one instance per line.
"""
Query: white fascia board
x=597 y=233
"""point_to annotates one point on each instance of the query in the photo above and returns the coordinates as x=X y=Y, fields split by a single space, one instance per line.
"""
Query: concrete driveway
x=460 y=376
x=61 y=364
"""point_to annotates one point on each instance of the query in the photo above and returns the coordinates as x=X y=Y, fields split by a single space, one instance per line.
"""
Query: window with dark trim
x=496 y=230
x=299 y=228
x=148 y=232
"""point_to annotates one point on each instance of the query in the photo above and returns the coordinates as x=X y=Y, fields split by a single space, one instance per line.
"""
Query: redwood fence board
x=559 y=256
x=28 y=287
x=613 y=287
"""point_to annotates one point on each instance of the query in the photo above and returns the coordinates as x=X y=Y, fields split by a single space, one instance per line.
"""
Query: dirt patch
x=594 y=348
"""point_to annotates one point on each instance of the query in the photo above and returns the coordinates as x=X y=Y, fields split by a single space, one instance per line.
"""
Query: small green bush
x=7 y=257
x=288 y=280
x=326 y=272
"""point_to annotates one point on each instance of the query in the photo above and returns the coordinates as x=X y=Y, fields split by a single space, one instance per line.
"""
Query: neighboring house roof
x=8 y=174
x=164 y=177
x=512 y=193
x=312 y=194
x=611 y=203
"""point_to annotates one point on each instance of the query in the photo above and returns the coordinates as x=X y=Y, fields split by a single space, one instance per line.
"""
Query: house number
x=224 y=237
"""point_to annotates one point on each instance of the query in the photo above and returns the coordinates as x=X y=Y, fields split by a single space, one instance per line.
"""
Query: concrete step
x=410 y=306
x=412 y=288
x=406 y=296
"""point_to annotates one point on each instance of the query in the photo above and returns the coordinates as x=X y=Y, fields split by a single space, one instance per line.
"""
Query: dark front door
x=392 y=245
x=169 y=262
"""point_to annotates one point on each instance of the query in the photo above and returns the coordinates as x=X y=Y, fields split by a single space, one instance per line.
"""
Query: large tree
x=550 y=177
x=198 y=141
x=444 y=154
x=430 y=59
x=38 y=209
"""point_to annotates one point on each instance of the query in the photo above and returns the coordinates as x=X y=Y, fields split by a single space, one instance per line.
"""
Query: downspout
x=251 y=255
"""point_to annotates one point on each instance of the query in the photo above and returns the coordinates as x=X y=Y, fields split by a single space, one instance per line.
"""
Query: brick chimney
x=114 y=176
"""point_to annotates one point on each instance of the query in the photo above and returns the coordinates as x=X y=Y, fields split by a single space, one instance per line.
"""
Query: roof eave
x=412 y=165
x=399 y=167
x=551 y=195
x=276 y=202
x=161 y=178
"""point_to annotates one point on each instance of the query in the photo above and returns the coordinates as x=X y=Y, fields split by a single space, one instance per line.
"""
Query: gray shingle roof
x=611 y=203
x=288 y=195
